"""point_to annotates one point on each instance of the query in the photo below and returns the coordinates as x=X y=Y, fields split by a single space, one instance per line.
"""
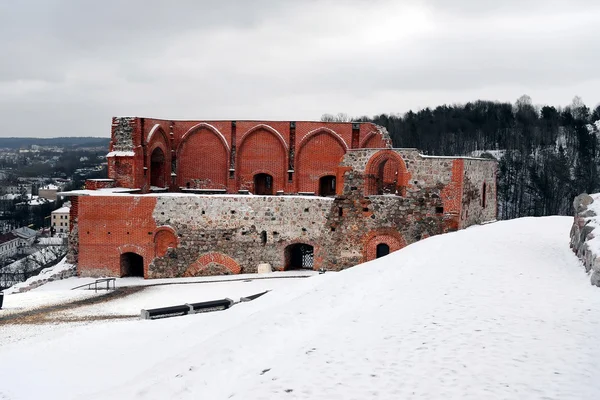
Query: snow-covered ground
x=501 y=311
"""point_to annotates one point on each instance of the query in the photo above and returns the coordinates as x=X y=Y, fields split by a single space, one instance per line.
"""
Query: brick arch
x=370 y=141
x=164 y=238
x=203 y=125
x=267 y=128
x=157 y=133
x=319 y=154
x=203 y=158
x=389 y=236
x=385 y=168
x=158 y=174
x=212 y=258
x=321 y=130
x=262 y=149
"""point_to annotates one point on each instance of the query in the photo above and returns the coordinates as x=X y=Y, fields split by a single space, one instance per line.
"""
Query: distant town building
x=25 y=235
x=60 y=220
x=9 y=245
x=49 y=192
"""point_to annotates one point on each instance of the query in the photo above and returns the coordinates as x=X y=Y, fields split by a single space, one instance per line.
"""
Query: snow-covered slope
x=501 y=311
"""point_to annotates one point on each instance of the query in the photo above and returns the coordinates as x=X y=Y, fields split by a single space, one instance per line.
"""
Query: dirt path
x=51 y=314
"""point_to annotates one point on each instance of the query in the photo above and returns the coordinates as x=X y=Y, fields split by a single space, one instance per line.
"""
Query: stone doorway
x=299 y=256
x=132 y=264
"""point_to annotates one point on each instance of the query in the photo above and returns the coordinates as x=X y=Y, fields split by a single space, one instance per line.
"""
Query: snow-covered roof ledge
x=121 y=154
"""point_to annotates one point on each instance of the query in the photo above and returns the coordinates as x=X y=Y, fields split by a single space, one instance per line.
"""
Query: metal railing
x=96 y=282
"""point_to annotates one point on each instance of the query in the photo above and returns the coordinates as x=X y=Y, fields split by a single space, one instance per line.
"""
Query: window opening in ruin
x=439 y=210
x=132 y=264
x=157 y=168
x=382 y=250
x=263 y=237
x=263 y=184
x=340 y=211
x=299 y=256
x=387 y=177
x=483 y=196
x=327 y=186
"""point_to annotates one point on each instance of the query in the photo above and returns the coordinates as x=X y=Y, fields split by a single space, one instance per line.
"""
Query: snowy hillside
x=501 y=311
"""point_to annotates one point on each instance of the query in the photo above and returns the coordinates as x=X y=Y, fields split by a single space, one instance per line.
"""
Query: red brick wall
x=262 y=151
x=203 y=160
x=112 y=225
x=203 y=151
x=318 y=155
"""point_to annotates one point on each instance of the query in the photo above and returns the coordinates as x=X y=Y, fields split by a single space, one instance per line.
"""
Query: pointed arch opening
x=319 y=154
x=203 y=159
x=386 y=174
x=158 y=169
x=262 y=152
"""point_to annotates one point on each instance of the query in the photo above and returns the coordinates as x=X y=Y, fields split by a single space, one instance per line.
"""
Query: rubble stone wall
x=583 y=234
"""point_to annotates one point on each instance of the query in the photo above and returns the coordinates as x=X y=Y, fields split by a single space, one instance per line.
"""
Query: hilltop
x=502 y=310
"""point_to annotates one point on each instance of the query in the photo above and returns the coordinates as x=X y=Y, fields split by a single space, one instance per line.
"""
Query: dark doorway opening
x=327 y=186
x=382 y=250
x=157 y=168
x=299 y=256
x=132 y=264
x=263 y=184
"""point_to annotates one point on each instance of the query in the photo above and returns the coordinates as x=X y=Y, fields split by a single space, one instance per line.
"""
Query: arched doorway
x=157 y=168
x=299 y=256
x=263 y=184
x=382 y=250
x=132 y=264
x=327 y=186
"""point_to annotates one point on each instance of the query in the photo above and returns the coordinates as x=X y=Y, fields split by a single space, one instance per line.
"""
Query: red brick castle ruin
x=189 y=198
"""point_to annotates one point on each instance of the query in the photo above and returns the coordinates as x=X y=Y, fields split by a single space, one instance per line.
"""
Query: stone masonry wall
x=585 y=237
x=248 y=229
x=475 y=207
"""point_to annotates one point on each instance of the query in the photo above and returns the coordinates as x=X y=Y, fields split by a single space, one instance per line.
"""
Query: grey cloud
x=77 y=63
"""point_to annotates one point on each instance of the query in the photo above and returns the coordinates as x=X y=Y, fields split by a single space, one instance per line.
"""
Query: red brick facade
x=227 y=155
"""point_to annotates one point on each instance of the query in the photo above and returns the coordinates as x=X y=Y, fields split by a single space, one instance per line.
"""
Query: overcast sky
x=69 y=66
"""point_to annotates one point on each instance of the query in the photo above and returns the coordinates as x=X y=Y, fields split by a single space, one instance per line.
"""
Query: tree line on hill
x=547 y=155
